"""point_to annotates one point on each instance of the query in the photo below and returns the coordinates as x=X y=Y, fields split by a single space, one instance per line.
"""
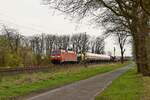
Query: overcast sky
x=30 y=17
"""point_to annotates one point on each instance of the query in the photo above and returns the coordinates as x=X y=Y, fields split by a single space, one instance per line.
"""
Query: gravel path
x=82 y=90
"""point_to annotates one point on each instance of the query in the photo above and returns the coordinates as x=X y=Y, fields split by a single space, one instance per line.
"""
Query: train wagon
x=92 y=56
x=97 y=57
x=61 y=56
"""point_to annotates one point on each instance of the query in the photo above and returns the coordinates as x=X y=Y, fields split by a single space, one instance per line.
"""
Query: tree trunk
x=136 y=44
x=141 y=50
x=143 y=35
x=139 y=28
x=143 y=56
x=122 y=57
x=137 y=52
x=84 y=60
x=148 y=50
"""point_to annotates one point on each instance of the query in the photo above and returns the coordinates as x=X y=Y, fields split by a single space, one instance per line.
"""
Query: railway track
x=22 y=70
x=11 y=71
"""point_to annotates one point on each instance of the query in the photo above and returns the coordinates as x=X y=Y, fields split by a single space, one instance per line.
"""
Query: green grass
x=127 y=87
x=23 y=84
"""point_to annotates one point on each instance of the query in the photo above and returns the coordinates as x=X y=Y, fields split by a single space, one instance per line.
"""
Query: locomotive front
x=56 y=56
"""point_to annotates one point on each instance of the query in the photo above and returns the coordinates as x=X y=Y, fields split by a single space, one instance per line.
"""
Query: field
x=129 y=86
x=23 y=84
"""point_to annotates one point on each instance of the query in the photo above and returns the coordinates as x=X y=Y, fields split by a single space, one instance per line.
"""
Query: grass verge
x=146 y=88
x=22 y=84
x=128 y=86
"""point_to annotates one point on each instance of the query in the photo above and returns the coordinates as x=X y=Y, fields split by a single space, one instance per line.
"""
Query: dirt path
x=82 y=90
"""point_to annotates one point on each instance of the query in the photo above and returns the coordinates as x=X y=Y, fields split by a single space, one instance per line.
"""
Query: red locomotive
x=61 y=56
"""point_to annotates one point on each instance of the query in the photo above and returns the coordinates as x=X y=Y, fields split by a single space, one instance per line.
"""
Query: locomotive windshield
x=56 y=52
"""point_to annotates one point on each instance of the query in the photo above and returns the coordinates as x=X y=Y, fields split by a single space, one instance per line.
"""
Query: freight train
x=62 y=56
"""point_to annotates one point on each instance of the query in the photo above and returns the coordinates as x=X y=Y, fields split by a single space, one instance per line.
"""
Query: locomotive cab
x=56 y=56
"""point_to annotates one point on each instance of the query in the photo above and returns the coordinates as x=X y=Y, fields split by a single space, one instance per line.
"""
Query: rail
x=22 y=70
x=18 y=70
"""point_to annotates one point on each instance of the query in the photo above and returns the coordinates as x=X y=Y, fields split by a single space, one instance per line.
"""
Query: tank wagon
x=62 y=56
x=91 y=57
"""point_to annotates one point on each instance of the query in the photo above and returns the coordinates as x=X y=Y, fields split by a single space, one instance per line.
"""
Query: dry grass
x=146 y=80
x=146 y=84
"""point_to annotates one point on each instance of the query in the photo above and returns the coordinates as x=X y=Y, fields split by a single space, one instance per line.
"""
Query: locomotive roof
x=64 y=51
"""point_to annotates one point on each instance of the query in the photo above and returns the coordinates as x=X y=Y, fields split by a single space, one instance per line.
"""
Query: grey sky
x=30 y=17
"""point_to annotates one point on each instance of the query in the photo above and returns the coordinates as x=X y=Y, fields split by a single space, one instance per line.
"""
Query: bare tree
x=84 y=43
x=35 y=44
x=50 y=39
x=99 y=45
x=38 y=47
x=92 y=45
x=42 y=44
x=13 y=37
x=76 y=40
x=62 y=42
x=122 y=40
x=65 y=42
x=119 y=30
x=84 y=46
x=4 y=48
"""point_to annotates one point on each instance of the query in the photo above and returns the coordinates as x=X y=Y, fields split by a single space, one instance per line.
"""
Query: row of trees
x=125 y=17
x=18 y=50
x=81 y=42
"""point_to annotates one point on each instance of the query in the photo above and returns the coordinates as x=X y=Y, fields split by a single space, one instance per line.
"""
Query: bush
x=13 y=60
x=28 y=58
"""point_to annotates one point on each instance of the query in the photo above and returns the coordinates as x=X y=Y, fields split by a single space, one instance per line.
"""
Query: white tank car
x=92 y=56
